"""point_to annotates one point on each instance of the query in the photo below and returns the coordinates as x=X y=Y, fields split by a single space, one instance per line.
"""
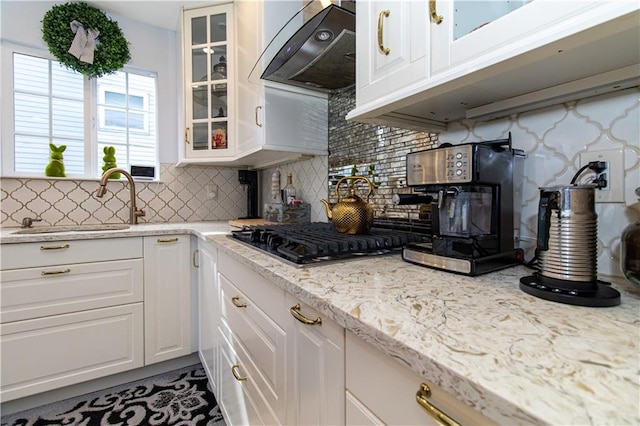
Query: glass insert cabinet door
x=208 y=90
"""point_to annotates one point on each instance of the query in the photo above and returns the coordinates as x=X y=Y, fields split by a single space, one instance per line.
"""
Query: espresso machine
x=475 y=192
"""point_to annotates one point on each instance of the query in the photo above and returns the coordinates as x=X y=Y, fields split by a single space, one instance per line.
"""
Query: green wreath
x=111 y=48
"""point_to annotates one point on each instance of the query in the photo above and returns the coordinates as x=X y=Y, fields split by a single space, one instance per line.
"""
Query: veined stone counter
x=201 y=229
x=516 y=358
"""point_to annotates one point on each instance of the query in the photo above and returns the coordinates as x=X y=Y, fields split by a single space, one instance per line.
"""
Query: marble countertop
x=516 y=358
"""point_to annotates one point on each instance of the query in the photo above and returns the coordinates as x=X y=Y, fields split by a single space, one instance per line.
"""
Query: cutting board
x=239 y=223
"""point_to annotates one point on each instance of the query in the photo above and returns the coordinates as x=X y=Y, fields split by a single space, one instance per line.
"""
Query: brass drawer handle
x=295 y=311
x=194 y=258
x=64 y=271
x=234 y=371
x=167 y=240
x=381 y=16
x=66 y=246
x=440 y=416
x=258 y=108
x=236 y=302
x=434 y=14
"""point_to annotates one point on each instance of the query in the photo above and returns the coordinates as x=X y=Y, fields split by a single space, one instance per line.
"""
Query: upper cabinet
x=489 y=59
x=392 y=48
x=231 y=118
x=209 y=64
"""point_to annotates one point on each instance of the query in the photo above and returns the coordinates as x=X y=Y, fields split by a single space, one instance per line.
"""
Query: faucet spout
x=134 y=212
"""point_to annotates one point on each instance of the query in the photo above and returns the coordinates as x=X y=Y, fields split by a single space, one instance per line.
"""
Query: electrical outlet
x=212 y=190
x=614 y=174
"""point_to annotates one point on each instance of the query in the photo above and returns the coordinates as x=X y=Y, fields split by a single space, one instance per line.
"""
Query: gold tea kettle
x=351 y=215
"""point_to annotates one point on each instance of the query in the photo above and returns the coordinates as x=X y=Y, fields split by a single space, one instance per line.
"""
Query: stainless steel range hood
x=320 y=55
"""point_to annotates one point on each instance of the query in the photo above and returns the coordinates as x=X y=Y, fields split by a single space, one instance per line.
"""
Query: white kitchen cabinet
x=492 y=59
x=208 y=311
x=252 y=317
x=381 y=390
x=316 y=348
x=276 y=368
x=266 y=123
x=60 y=298
x=209 y=73
x=392 y=46
x=167 y=297
x=275 y=123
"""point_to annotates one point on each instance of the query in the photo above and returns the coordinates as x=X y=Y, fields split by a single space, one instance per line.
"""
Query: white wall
x=152 y=48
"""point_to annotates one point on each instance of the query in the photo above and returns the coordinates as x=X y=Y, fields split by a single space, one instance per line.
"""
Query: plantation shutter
x=48 y=107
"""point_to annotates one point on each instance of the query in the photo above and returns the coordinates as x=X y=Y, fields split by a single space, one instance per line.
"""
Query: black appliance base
x=604 y=295
x=422 y=255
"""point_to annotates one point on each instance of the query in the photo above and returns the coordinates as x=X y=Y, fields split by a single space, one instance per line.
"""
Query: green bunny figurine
x=55 y=168
x=110 y=161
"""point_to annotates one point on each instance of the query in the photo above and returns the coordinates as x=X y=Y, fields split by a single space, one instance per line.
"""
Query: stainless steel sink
x=72 y=228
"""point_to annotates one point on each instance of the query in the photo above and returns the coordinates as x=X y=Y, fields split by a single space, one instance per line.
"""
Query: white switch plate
x=614 y=192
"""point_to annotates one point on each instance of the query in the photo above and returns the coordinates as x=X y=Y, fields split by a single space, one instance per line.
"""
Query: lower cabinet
x=380 y=390
x=279 y=364
x=71 y=311
x=208 y=311
x=316 y=348
x=167 y=297
x=77 y=310
x=47 y=353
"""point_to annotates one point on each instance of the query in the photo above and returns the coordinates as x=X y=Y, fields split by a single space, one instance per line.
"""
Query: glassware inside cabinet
x=469 y=15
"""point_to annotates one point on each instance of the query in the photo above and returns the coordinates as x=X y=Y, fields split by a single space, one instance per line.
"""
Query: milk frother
x=567 y=249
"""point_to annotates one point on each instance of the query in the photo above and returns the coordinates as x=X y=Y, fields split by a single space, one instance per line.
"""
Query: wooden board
x=239 y=223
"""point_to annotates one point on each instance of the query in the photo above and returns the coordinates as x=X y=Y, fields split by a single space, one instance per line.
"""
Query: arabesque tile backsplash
x=183 y=195
x=552 y=137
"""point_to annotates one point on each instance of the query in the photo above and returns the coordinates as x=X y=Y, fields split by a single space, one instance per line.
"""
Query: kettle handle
x=544 y=220
x=354 y=178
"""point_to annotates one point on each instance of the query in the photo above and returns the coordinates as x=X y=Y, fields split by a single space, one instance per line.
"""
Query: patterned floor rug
x=177 y=398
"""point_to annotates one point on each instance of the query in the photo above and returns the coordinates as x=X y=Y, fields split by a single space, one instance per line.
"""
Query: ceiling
x=163 y=14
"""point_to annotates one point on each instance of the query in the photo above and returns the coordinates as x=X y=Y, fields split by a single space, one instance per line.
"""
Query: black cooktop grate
x=317 y=242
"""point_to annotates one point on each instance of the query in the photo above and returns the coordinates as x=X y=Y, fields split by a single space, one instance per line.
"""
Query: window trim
x=7 y=142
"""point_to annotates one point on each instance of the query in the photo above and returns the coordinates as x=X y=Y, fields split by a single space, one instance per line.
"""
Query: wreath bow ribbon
x=84 y=42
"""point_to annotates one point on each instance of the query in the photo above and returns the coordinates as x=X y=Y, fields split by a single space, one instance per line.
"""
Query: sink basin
x=71 y=228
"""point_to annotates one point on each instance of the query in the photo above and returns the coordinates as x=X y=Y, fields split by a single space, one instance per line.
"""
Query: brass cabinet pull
x=236 y=302
x=434 y=14
x=381 y=16
x=167 y=240
x=66 y=246
x=64 y=271
x=440 y=416
x=234 y=371
x=295 y=311
x=258 y=108
x=186 y=135
x=194 y=257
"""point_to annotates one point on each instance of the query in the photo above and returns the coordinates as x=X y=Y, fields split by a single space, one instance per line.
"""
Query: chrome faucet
x=134 y=211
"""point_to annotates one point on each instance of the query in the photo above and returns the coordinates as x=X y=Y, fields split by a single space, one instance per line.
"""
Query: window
x=52 y=104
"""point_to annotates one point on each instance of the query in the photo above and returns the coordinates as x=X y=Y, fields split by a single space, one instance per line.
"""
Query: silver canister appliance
x=567 y=249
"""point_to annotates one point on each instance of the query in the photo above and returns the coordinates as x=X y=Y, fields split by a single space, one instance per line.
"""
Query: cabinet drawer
x=262 y=339
x=240 y=398
x=48 y=253
x=53 y=290
x=388 y=390
x=47 y=353
x=262 y=291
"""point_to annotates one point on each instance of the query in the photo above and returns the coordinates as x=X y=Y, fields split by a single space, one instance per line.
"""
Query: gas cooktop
x=317 y=243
